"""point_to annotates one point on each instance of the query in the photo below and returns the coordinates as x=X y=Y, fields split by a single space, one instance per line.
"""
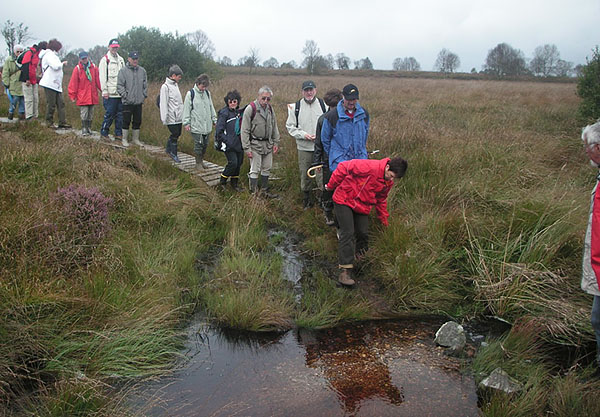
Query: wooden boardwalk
x=210 y=175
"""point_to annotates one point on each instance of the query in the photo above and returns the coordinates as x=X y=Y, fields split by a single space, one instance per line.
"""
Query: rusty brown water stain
x=386 y=368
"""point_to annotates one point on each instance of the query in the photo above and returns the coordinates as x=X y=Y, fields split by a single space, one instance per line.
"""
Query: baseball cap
x=114 y=42
x=133 y=55
x=350 y=92
x=83 y=55
x=308 y=84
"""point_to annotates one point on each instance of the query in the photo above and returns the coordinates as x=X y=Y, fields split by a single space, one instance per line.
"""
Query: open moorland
x=104 y=254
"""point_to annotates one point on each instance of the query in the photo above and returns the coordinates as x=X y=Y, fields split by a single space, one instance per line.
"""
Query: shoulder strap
x=253 y=106
x=297 y=111
x=322 y=103
x=192 y=94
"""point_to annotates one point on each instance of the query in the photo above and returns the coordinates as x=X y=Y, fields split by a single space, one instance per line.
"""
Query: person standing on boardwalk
x=301 y=124
x=30 y=76
x=227 y=136
x=108 y=69
x=52 y=81
x=83 y=90
x=260 y=139
x=590 y=277
x=320 y=158
x=10 y=76
x=132 y=86
x=345 y=131
x=171 y=109
x=358 y=185
x=199 y=117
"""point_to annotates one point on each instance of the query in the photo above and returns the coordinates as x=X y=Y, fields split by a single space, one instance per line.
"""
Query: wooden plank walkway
x=210 y=175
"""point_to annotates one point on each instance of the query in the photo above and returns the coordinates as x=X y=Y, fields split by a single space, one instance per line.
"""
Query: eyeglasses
x=265 y=98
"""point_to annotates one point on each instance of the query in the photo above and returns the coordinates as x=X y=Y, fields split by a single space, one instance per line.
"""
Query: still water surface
x=384 y=368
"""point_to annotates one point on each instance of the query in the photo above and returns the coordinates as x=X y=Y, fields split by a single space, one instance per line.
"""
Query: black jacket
x=225 y=130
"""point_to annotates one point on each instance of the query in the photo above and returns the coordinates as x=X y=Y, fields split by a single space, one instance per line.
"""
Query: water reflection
x=367 y=369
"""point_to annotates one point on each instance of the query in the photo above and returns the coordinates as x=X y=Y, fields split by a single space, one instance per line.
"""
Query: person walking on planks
x=171 y=109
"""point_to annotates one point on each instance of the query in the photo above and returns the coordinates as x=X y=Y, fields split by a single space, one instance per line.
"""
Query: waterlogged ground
x=389 y=368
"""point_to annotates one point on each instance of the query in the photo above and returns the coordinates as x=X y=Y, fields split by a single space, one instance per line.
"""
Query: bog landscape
x=108 y=254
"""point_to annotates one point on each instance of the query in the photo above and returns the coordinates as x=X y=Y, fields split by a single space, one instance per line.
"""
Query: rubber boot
x=124 y=138
x=174 y=151
x=135 y=137
x=223 y=181
x=83 y=129
x=306 y=200
x=199 y=162
x=345 y=277
x=264 y=185
x=88 y=127
x=233 y=181
x=253 y=185
x=11 y=116
x=168 y=147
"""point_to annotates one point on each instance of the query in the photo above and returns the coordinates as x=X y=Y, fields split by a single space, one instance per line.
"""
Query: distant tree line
x=196 y=51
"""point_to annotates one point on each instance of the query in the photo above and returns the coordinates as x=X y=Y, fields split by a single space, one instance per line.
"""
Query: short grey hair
x=265 y=89
x=18 y=47
x=175 y=70
x=591 y=134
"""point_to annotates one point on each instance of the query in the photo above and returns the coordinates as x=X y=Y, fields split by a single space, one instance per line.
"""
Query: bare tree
x=14 y=34
x=545 y=59
x=200 y=40
x=406 y=64
x=447 y=61
x=226 y=61
x=564 y=68
x=289 y=65
x=271 y=63
x=504 y=60
x=342 y=61
x=311 y=56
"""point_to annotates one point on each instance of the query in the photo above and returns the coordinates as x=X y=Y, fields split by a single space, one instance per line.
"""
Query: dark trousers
x=354 y=234
x=175 y=131
x=113 y=111
x=234 y=163
x=54 y=100
x=132 y=111
x=327 y=196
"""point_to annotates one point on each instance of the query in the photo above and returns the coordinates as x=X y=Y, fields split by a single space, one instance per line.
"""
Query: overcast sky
x=379 y=29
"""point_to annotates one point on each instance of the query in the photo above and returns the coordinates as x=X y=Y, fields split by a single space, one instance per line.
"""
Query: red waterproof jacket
x=359 y=184
x=81 y=89
x=30 y=62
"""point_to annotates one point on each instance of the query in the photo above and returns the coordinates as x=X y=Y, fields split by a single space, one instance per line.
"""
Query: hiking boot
x=64 y=126
x=264 y=185
x=199 y=163
x=234 y=184
x=11 y=116
x=329 y=219
x=345 y=277
x=253 y=185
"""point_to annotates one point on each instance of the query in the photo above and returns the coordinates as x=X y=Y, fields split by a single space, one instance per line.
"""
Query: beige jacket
x=259 y=134
x=108 y=72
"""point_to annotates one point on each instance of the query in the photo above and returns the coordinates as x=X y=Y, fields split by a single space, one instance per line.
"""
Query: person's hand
x=104 y=95
x=249 y=154
x=64 y=62
x=72 y=101
x=275 y=148
x=309 y=137
x=187 y=128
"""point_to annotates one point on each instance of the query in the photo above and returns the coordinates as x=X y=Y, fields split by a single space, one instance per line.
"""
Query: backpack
x=24 y=76
x=192 y=94
x=297 y=109
x=19 y=60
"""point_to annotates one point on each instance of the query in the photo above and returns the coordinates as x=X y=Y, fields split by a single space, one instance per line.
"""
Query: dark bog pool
x=384 y=368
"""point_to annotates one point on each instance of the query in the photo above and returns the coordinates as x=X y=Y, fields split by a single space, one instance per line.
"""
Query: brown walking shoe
x=345 y=277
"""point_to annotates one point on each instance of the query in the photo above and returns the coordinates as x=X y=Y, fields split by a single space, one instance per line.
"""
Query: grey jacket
x=259 y=134
x=132 y=84
x=589 y=282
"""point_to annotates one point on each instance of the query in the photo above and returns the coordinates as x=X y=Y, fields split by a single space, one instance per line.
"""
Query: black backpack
x=192 y=94
x=297 y=109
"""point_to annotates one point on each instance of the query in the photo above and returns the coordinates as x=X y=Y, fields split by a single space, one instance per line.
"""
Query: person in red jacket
x=358 y=185
x=83 y=90
x=30 y=76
